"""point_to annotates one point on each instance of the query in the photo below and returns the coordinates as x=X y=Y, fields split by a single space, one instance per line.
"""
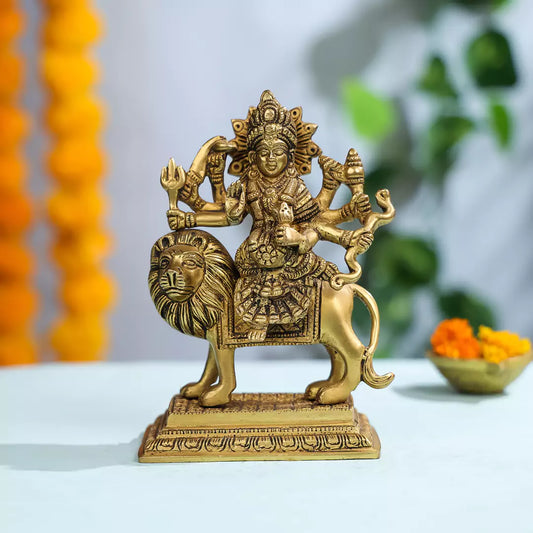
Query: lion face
x=181 y=271
x=191 y=280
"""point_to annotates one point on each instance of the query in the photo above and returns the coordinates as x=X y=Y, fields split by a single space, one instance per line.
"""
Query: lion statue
x=192 y=280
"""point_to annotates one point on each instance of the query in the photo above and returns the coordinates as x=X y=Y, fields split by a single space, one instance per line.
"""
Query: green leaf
x=446 y=131
x=460 y=304
x=490 y=61
x=497 y=4
x=501 y=123
x=443 y=135
x=372 y=116
x=435 y=79
x=380 y=177
x=477 y=4
x=401 y=263
x=397 y=310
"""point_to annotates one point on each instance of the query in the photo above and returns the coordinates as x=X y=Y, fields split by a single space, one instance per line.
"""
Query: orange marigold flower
x=14 y=126
x=76 y=161
x=11 y=67
x=80 y=338
x=17 y=349
x=15 y=212
x=81 y=251
x=11 y=24
x=496 y=346
x=16 y=262
x=82 y=114
x=13 y=171
x=72 y=27
x=455 y=338
x=89 y=292
x=77 y=210
x=68 y=73
x=19 y=303
x=52 y=5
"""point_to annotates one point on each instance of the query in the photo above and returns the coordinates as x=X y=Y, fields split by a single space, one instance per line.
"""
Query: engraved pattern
x=230 y=443
x=310 y=439
x=255 y=402
x=306 y=331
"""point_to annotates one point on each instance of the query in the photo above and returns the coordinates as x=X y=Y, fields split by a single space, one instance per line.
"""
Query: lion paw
x=215 y=396
x=312 y=389
x=332 y=394
x=193 y=390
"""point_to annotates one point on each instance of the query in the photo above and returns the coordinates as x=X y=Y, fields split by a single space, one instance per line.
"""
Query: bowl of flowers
x=485 y=364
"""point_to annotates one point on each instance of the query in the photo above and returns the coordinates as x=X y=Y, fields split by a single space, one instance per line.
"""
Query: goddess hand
x=216 y=163
x=362 y=241
x=360 y=205
x=176 y=219
x=287 y=236
x=235 y=202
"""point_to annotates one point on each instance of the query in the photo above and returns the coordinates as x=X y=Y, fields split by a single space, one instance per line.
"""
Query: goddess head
x=271 y=138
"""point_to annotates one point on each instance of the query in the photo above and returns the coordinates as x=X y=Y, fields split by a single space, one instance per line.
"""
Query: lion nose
x=173 y=275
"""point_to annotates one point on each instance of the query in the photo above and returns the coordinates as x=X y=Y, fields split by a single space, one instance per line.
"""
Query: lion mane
x=204 y=308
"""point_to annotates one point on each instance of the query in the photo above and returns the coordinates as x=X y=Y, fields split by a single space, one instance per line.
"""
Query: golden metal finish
x=276 y=290
x=259 y=427
x=477 y=376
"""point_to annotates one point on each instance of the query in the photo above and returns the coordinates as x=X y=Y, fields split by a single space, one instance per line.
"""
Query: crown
x=271 y=120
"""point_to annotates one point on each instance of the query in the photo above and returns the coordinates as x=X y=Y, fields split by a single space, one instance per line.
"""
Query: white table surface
x=69 y=435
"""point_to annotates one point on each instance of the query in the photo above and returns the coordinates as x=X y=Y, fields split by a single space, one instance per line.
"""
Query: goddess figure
x=277 y=269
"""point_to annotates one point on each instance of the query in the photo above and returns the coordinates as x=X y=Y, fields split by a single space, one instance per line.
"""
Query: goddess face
x=181 y=271
x=272 y=157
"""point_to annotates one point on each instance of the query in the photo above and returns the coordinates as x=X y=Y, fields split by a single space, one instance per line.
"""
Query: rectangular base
x=259 y=427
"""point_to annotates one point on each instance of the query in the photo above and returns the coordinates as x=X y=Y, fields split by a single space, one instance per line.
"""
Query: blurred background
x=437 y=97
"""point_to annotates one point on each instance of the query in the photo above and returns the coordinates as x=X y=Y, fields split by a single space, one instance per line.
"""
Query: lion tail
x=368 y=374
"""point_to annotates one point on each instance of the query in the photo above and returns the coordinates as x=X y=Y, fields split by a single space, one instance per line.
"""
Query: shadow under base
x=259 y=427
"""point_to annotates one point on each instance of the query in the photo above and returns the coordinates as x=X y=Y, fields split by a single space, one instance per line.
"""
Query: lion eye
x=164 y=262
x=190 y=263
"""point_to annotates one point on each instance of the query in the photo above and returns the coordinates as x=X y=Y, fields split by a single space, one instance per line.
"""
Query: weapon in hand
x=372 y=222
x=172 y=180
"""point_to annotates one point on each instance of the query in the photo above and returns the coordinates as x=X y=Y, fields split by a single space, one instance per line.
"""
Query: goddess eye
x=279 y=152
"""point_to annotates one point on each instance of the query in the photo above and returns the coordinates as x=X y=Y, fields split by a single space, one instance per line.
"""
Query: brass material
x=477 y=376
x=259 y=427
x=277 y=290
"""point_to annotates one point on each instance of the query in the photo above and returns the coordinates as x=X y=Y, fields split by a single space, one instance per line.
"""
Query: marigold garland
x=13 y=171
x=18 y=298
x=76 y=163
x=455 y=338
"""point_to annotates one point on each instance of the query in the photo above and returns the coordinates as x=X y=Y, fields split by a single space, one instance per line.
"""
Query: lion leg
x=220 y=393
x=337 y=333
x=351 y=350
x=209 y=376
x=337 y=372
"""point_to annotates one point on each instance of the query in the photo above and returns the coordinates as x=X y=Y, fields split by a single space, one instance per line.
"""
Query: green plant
x=400 y=267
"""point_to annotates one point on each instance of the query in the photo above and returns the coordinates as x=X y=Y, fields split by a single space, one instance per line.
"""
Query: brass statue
x=277 y=290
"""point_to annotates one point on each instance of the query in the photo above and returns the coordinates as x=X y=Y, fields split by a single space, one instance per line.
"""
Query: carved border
x=173 y=443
